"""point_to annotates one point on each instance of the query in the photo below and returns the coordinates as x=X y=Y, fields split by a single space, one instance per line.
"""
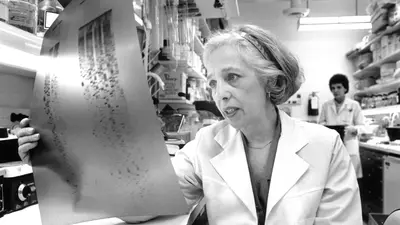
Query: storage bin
x=23 y=14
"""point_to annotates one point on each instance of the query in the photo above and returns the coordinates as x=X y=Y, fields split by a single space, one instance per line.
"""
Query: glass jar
x=371 y=102
x=398 y=96
x=364 y=103
x=393 y=98
x=383 y=100
x=378 y=101
x=389 y=99
x=23 y=14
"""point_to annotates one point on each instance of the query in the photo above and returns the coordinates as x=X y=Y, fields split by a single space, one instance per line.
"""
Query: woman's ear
x=281 y=82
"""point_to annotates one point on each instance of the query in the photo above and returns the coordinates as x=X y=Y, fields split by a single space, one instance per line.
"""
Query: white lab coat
x=313 y=181
x=350 y=113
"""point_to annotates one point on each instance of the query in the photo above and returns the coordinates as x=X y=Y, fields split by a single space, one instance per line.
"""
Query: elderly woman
x=259 y=166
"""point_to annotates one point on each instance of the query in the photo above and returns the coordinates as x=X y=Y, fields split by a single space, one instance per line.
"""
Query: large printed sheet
x=101 y=152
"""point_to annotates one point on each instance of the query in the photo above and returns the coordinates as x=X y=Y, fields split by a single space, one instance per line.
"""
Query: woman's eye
x=212 y=83
x=232 y=77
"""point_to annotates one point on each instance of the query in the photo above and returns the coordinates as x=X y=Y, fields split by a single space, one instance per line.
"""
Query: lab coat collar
x=231 y=163
x=289 y=167
x=346 y=104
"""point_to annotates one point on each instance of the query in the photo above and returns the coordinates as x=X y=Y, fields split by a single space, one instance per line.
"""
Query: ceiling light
x=347 y=26
x=334 y=23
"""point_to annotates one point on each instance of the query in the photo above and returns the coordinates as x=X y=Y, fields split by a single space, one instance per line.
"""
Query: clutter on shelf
x=33 y=16
x=172 y=36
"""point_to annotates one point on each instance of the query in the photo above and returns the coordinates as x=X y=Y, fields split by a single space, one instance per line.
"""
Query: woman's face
x=338 y=91
x=235 y=88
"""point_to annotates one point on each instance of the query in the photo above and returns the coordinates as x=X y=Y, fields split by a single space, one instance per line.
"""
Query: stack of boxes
x=388 y=45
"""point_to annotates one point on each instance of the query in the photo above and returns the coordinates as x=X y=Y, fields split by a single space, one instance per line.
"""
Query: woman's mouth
x=230 y=111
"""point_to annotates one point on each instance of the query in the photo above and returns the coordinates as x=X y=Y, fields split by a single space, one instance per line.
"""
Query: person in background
x=344 y=111
x=258 y=165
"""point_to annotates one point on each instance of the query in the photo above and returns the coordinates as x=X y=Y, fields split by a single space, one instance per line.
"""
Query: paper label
x=314 y=103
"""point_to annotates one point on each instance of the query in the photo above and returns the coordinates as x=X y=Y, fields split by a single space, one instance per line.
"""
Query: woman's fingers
x=24 y=122
x=28 y=139
x=23 y=151
x=25 y=132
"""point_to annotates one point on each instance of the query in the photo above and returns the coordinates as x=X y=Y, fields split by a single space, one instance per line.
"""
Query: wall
x=15 y=96
x=321 y=53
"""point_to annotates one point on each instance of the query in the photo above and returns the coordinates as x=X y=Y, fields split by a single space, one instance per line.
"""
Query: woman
x=344 y=111
x=259 y=166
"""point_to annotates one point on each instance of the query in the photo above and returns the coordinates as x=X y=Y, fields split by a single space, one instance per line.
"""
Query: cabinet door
x=371 y=185
x=391 y=184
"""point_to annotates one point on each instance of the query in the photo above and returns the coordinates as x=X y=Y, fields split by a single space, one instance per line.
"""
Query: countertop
x=31 y=216
x=10 y=137
x=393 y=149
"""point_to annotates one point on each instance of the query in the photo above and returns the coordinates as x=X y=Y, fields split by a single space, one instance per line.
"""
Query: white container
x=4 y=11
x=387 y=69
x=175 y=82
x=397 y=41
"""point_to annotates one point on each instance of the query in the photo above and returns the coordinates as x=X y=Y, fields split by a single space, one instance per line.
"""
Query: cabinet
x=380 y=185
x=371 y=185
x=391 y=184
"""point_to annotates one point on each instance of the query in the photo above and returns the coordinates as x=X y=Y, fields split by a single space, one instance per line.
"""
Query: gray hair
x=276 y=67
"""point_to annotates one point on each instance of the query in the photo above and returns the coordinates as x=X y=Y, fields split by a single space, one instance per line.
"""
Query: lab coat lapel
x=231 y=165
x=344 y=106
x=332 y=107
x=288 y=166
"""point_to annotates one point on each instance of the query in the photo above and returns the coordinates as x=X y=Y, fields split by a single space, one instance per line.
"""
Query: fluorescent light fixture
x=354 y=19
x=335 y=23
x=19 y=59
x=338 y=26
x=318 y=20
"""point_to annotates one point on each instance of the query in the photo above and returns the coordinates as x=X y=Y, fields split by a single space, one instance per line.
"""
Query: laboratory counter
x=31 y=216
x=385 y=148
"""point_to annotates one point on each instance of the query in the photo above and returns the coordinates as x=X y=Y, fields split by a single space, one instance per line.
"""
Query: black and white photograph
x=200 y=112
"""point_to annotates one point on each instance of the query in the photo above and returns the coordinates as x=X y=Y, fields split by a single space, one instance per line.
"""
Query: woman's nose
x=222 y=92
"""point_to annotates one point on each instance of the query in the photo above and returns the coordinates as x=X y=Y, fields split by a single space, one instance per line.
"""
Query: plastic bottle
x=4 y=11
x=398 y=96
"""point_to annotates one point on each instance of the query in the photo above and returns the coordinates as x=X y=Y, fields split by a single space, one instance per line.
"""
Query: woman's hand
x=27 y=140
x=351 y=130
